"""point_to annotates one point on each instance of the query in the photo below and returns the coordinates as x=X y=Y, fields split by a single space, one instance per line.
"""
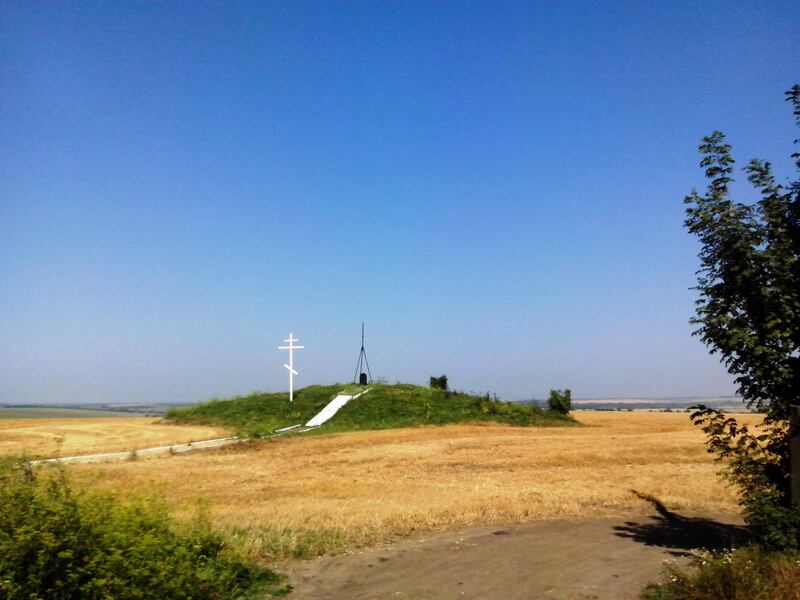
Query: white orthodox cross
x=290 y=366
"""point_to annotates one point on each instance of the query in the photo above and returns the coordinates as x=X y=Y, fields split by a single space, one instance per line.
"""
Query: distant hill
x=384 y=407
x=50 y=412
x=724 y=403
x=66 y=411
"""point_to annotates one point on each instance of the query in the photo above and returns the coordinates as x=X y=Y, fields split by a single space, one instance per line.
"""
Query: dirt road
x=598 y=559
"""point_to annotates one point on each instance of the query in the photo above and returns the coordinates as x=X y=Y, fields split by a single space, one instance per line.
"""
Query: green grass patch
x=745 y=574
x=282 y=543
x=57 y=541
x=383 y=407
x=258 y=413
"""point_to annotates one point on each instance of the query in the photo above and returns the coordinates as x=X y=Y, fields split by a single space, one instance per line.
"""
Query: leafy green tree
x=748 y=312
x=560 y=401
x=439 y=382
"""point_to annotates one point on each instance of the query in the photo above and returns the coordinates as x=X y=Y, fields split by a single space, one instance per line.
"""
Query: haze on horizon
x=494 y=188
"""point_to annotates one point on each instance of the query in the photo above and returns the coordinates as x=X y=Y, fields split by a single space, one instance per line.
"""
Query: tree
x=749 y=313
x=439 y=382
x=560 y=401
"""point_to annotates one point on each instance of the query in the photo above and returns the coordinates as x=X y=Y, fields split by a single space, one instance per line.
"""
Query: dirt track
x=598 y=559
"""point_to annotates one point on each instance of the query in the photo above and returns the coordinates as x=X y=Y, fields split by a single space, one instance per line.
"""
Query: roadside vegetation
x=383 y=407
x=749 y=313
x=745 y=574
x=59 y=541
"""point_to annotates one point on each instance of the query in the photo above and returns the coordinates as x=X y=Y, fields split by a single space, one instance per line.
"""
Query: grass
x=303 y=496
x=383 y=407
x=259 y=413
x=69 y=437
x=744 y=574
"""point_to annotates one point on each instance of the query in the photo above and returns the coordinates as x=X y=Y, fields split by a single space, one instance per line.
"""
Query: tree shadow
x=682 y=534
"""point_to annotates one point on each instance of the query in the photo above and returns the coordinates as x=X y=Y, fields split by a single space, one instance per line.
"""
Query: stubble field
x=302 y=496
x=68 y=437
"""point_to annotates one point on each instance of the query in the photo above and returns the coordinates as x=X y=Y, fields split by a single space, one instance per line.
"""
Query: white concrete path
x=332 y=408
x=174 y=449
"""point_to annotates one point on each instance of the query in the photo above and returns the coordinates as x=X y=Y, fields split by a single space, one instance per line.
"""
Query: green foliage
x=749 y=313
x=758 y=463
x=745 y=574
x=749 y=306
x=439 y=382
x=58 y=542
x=560 y=401
x=383 y=407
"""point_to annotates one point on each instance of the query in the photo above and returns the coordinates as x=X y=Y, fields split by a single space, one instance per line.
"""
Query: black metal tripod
x=362 y=362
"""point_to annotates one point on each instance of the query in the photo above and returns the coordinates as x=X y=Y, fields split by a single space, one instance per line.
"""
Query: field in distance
x=385 y=406
x=56 y=412
x=302 y=496
x=51 y=436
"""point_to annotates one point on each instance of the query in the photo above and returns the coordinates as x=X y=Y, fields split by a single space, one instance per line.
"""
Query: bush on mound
x=62 y=543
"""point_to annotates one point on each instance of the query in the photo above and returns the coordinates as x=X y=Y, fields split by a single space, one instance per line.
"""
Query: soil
x=595 y=559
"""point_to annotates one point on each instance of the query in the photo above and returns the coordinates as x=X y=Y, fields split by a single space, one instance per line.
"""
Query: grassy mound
x=384 y=407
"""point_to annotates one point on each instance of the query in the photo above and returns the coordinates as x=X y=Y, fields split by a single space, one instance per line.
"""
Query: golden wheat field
x=65 y=437
x=352 y=488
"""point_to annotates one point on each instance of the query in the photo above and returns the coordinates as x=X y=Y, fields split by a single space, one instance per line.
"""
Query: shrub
x=758 y=464
x=560 y=401
x=439 y=382
x=748 y=312
x=748 y=573
x=59 y=542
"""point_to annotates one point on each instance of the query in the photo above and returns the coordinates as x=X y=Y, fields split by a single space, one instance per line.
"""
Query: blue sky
x=494 y=187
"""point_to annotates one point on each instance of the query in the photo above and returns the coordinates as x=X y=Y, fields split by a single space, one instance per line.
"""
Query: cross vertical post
x=291 y=348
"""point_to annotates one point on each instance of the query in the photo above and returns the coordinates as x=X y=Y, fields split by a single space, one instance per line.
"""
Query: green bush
x=745 y=574
x=559 y=401
x=61 y=543
x=439 y=382
x=758 y=464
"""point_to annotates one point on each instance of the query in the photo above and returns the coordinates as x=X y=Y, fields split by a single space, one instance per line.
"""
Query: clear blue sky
x=494 y=187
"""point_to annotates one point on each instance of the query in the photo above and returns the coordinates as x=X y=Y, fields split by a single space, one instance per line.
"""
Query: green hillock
x=383 y=407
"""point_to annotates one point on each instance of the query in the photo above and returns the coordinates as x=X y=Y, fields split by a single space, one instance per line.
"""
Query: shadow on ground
x=682 y=534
